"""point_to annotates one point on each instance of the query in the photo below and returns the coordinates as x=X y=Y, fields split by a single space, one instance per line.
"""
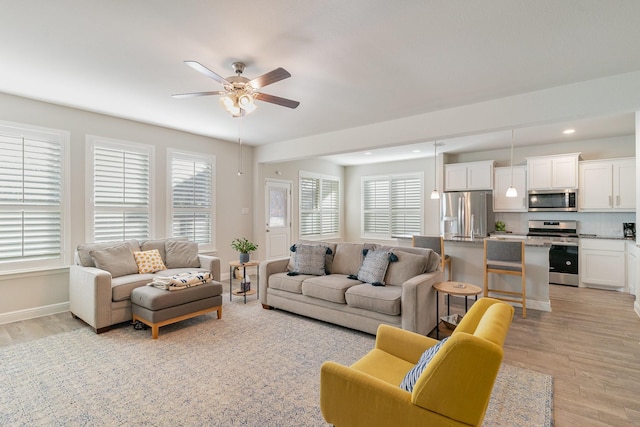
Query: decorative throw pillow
x=149 y=261
x=374 y=267
x=414 y=373
x=117 y=260
x=309 y=259
x=181 y=254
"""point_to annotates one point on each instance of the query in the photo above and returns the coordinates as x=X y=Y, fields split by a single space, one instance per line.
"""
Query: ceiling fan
x=239 y=92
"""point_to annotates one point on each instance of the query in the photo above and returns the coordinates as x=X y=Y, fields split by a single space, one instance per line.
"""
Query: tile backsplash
x=600 y=223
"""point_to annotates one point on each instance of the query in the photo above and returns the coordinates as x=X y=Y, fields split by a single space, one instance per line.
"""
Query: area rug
x=253 y=367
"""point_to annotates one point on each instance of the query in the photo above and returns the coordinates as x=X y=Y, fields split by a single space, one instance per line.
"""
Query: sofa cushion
x=385 y=300
x=159 y=244
x=374 y=267
x=309 y=259
x=406 y=267
x=412 y=376
x=84 y=250
x=348 y=258
x=181 y=253
x=329 y=288
x=122 y=286
x=288 y=283
x=149 y=261
x=117 y=260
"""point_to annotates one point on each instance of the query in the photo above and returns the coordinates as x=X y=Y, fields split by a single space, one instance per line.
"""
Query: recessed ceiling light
x=568 y=131
x=415 y=151
x=368 y=153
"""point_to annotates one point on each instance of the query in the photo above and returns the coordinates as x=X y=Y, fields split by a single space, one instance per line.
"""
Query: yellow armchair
x=453 y=390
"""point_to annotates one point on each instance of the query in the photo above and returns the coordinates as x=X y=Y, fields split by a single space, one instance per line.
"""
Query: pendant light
x=434 y=193
x=511 y=191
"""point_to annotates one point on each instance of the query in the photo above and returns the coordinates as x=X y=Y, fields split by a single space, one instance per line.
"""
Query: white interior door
x=278 y=218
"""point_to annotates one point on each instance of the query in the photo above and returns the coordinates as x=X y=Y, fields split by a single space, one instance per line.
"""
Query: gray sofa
x=104 y=274
x=335 y=295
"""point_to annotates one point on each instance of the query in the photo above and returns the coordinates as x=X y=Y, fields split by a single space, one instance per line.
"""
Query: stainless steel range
x=563 y=253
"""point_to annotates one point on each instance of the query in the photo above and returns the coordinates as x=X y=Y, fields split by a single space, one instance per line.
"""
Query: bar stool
x=505 y=257
x=436 y=244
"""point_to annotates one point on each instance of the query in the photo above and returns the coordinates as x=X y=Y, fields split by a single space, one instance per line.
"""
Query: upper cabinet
x=607 y=185
x=502 y=181
x=468 y=176
x=553 y=172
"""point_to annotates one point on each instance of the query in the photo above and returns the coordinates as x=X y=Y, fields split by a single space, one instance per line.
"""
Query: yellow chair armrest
x=352 y=398
x=404 y=344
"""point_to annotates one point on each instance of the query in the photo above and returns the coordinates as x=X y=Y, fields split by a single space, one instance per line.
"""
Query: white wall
x=33 y=294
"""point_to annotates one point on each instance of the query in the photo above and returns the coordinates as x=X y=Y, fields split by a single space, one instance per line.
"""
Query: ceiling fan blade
x=269 y=78
x=207 y=72
x=277 y=100
x=195 y=94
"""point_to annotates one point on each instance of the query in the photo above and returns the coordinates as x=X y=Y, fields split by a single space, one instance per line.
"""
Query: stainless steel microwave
x=553 y=200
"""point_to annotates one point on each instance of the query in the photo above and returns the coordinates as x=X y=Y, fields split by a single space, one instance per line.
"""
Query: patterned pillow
x=149 y=261
x=309 y=259
x=414 y=373
x=374 y=267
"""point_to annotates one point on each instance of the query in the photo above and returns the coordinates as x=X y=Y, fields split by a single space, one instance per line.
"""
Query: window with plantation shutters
x=392 y=206
x=319 y=206
x=32 y=197
x=192 y=197
x=121 y=207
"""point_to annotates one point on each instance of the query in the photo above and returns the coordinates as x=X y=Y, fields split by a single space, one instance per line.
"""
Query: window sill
x=32 y=272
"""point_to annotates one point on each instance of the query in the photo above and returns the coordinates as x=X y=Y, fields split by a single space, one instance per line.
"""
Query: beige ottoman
x=157 y=307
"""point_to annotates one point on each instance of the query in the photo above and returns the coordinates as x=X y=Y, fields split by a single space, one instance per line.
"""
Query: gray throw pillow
x=309 y=259
x=117 y=260
x=159 y=244
x=374 y=267
x=181 y=254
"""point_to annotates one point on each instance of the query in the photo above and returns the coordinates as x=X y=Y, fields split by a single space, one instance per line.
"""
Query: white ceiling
x=353 y=63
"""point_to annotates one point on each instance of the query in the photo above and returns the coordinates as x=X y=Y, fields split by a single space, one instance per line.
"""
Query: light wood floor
x=589 y=343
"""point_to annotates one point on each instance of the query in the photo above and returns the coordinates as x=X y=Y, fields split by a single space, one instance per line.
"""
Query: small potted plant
x=245 y=247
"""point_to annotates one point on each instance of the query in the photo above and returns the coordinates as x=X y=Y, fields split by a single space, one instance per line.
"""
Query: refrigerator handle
x=472 y=225
x=460 y=230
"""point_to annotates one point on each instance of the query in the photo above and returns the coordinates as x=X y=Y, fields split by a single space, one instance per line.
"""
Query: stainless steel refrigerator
x=467 y=214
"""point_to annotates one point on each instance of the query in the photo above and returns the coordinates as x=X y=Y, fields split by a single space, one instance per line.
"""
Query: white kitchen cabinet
x=631 y=267
x=607 y=185
x=468 y=176
x=502 y=181
x=602 y=263
x=553 y=172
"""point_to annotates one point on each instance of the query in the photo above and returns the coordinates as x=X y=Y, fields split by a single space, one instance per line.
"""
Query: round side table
x=457 y=289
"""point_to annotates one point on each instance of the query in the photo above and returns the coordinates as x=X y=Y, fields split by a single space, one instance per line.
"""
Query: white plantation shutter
x=319 y=205
x=192 y=199
x=121 y=192
x=31 y=198
x=392 y=206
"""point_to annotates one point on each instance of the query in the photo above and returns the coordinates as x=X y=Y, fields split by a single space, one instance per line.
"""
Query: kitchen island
x=467 y=259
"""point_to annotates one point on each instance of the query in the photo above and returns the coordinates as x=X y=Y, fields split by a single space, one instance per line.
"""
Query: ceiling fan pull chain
x=240 y=145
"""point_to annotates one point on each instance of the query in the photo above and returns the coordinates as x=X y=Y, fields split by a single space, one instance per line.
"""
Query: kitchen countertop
x=480 y=240
x=601 y=236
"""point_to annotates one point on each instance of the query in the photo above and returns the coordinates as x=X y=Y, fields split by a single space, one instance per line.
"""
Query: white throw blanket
x=181 y=281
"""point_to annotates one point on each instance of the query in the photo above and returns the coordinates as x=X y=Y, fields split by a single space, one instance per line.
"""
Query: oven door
x=563 y=264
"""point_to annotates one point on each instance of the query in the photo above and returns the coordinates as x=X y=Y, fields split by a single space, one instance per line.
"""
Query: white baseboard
x=531 y=304
x=31 y=313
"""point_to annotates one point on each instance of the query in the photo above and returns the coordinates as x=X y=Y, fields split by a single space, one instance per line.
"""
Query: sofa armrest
x=419 y=302
x=212 y=264
x=90 y=295
x=404 y=344
x=266 y=269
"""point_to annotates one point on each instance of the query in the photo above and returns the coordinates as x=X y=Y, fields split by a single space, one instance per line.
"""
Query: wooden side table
x=237 y=264
x=454 y=288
